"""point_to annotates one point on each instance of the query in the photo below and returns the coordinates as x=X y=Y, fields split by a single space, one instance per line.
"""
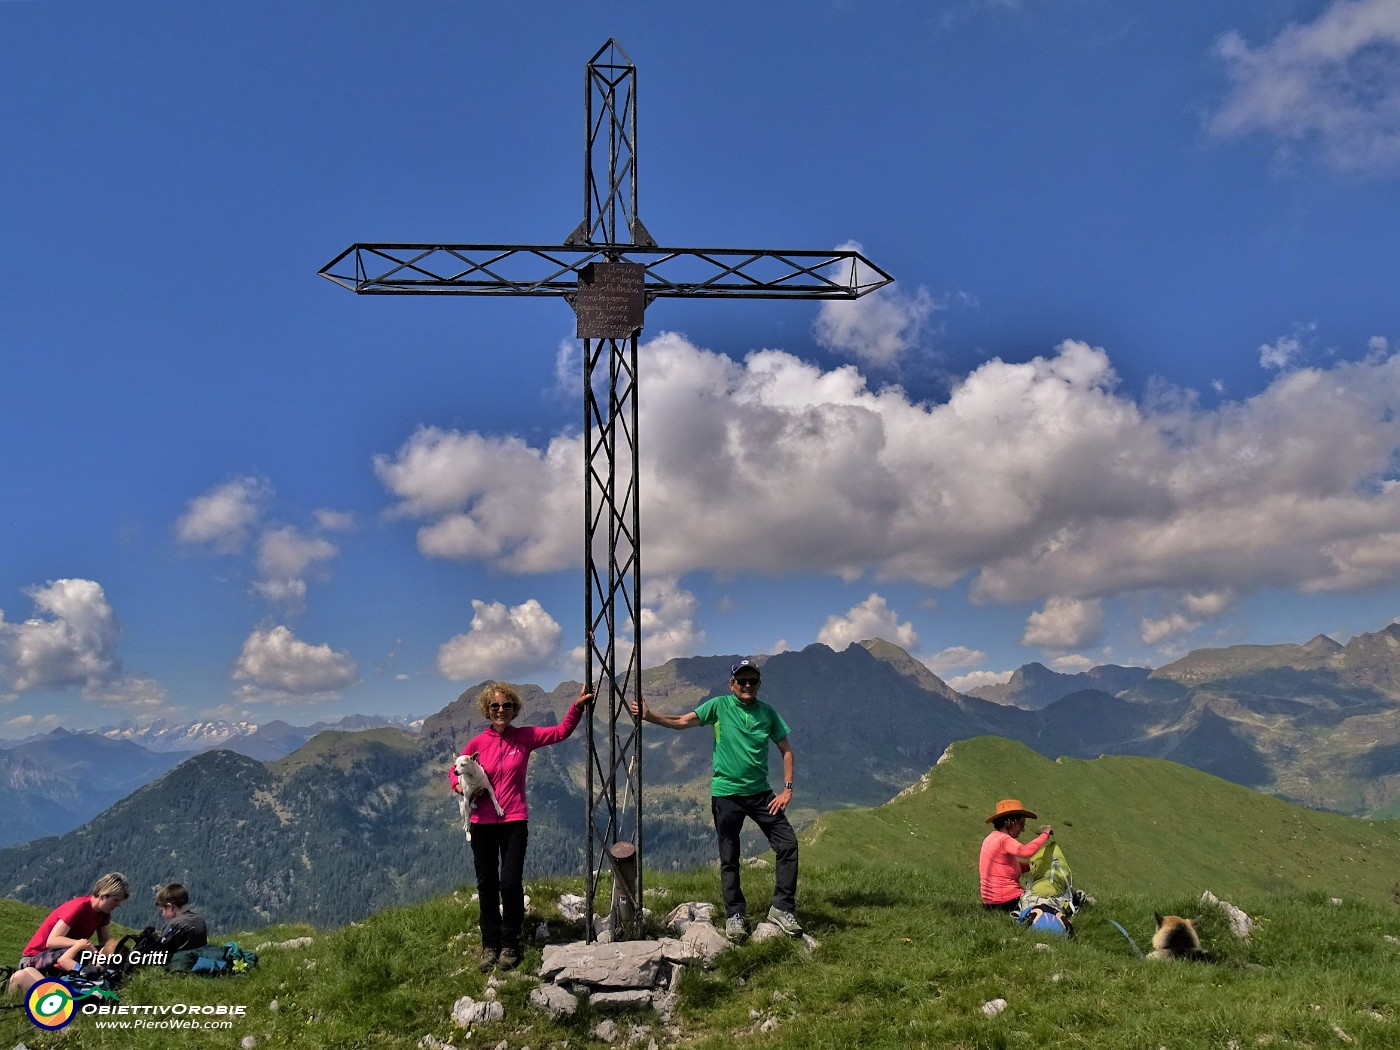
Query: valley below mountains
x=57 y=781
x=354 y=821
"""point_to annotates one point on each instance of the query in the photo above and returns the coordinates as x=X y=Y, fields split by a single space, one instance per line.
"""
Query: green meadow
x=907 y=957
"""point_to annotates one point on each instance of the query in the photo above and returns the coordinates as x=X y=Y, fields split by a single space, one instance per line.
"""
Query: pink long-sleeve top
x=1001 y=864
x=505 y=756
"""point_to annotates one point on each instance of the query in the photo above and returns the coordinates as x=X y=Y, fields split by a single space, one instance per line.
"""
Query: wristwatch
x=788 y=785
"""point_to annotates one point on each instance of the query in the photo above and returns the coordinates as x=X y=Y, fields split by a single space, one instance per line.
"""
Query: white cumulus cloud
x=669 y=629
x=1281 y=353
x=494 y=499
x=1210 y=604
x=1064 y=623
x=334 y=520
x=71 y=643
x=223 y=518
x=872 y=618
x=1175 y=625
x=878 y=328
x=1037 y=479
x=276 y=666
x=668 y=622
x=31 y=724
x=954 y=657
x=502 y=643
x=1332 y=84
x=285 y=556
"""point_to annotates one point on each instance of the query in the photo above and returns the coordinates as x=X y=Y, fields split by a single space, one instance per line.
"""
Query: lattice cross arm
x=537 y=269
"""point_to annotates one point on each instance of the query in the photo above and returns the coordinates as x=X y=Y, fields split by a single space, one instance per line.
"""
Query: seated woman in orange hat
x=1004 y=859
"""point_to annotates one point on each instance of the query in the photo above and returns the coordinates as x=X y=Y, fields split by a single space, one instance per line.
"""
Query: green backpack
x=1052 y=884
x=213 y=960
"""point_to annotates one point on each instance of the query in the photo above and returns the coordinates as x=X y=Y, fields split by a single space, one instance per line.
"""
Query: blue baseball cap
x=744 y=665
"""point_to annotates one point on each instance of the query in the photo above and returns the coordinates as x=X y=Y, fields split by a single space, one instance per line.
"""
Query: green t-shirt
x=742 y=733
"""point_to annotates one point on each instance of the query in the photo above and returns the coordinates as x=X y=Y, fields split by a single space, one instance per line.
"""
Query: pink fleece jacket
x=505 y=756
x=1002 y=863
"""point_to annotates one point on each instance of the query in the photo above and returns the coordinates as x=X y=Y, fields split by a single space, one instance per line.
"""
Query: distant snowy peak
x=184 y=736
x=209 y=735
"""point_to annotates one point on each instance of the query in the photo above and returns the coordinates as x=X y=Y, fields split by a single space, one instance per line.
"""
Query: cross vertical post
x=612 y=611
x=609 y=270
x=612 y=506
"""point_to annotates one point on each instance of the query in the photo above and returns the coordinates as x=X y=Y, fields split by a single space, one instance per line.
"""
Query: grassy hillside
x=907 y=955
x=18 y=921
x=1126 y=825
x=906 y=961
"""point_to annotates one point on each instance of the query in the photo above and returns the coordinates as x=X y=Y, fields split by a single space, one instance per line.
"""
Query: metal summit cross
x=609 y=269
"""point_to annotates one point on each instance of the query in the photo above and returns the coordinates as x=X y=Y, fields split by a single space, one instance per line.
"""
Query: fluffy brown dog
x=1176 y=938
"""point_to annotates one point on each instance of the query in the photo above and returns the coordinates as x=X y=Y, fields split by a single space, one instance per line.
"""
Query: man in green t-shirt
x=739 y=789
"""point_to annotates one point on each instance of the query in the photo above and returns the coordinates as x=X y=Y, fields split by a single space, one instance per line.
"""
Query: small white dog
x=472 y=779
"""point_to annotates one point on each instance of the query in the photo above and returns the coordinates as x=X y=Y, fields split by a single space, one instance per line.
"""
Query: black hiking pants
x=498 y=851
x=729 y=812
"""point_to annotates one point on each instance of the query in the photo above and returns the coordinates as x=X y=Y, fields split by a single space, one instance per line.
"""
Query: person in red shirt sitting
x=72 y=924
x=1004 y=859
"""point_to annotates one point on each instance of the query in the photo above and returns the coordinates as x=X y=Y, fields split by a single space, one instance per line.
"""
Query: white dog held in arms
x=473 y=781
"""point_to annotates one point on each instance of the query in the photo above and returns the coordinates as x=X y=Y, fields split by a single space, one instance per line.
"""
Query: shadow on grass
x=956 y=908
x=846 y=908
x=866 y=898
x=822 y=918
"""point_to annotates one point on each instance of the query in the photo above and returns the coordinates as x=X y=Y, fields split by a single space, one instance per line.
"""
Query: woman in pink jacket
x=498 y=843
x=1004 y=859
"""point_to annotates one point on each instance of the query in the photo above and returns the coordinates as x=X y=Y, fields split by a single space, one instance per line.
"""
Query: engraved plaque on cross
x=611 y=302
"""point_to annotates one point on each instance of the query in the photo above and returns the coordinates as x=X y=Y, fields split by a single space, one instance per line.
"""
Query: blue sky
x=1134 y=392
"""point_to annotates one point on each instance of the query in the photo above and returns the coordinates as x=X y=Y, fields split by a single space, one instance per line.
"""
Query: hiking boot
x=509 y=958
x=785 y=921
x=736 y=928
x=487 y=961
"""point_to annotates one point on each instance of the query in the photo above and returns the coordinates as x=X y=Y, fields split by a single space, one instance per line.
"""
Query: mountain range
x=1034 y=686
x=54 y=782
x=353 y=821
x=265 y=741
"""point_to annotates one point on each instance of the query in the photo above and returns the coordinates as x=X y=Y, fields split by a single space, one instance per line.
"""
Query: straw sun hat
x=1010 y=807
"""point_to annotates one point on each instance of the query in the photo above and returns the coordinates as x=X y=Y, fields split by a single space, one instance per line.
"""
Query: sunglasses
x=746 y=683
x=501 y=707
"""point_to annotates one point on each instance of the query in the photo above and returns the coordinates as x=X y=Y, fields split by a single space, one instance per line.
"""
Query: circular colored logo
x=50 y=1005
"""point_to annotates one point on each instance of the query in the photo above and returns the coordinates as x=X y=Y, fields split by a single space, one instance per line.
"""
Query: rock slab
x=624 y=964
